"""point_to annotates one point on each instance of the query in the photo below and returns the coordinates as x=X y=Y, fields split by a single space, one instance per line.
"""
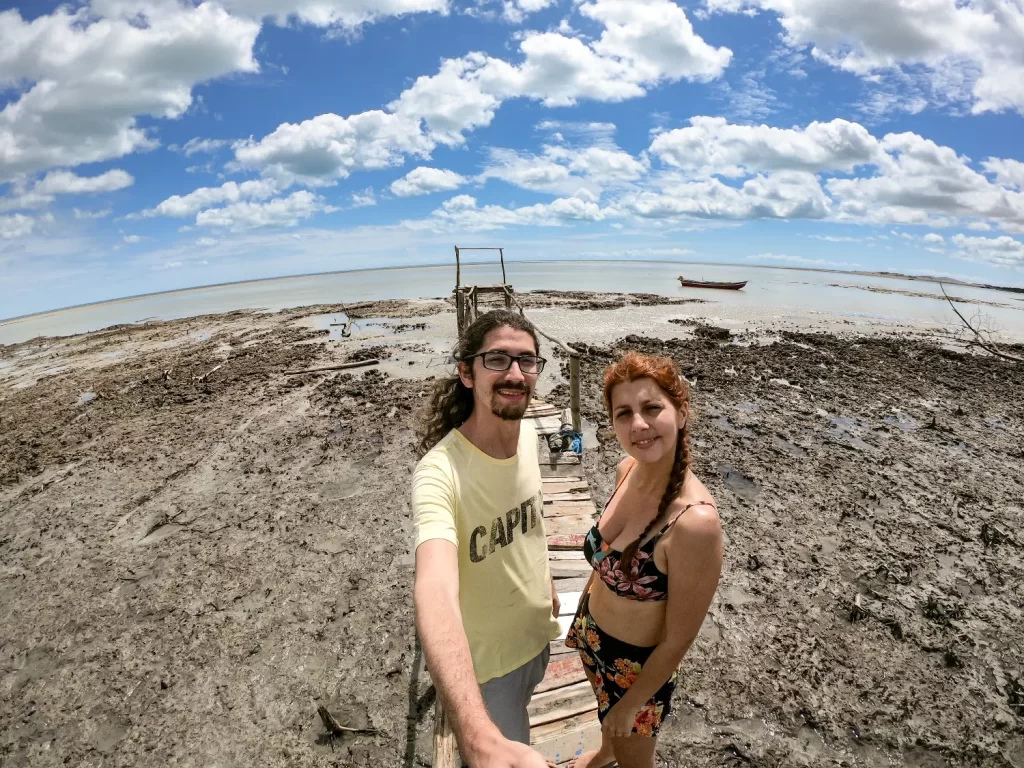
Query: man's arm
x=439 y=623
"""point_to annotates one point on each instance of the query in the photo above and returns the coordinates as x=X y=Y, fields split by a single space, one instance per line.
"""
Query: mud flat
x=197 y=550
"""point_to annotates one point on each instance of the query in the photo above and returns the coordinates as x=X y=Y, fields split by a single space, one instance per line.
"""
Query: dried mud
x=190 y=566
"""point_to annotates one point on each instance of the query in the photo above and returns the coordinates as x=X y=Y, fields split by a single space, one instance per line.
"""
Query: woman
x=656 y=551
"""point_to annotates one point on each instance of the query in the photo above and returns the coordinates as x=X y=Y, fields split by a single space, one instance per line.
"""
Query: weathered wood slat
x=576 y=584
x=569 y=569
x=565 y=471
x=562 y=670
x=567 y=525
x=560 y=741
x=565 y=556
x=558 y=648
x=583 y=508
x=551 y=498
x=558 y=485
x=561 y=458
x=578 y=696
x=569 y=541
x=568 y=599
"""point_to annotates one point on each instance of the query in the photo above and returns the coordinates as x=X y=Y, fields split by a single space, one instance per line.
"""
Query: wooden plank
x=560 y=703
x=562 y=671
x=573 y=585
x=569 y=599
x=558 y=648
x=570 y=541
x=539 y=408
x=569 y=569
x=567 y=524
x=560 y=470
x=547 y=428
x=579 y=508
x=550 y=497
x=565 y=739
x=565 y=556
x=558 y=485
x=561 y=458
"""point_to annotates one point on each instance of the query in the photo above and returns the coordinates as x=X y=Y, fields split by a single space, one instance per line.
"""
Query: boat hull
x=711 y=284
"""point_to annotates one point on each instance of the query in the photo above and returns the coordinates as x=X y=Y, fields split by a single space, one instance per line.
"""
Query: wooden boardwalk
x=563 y=711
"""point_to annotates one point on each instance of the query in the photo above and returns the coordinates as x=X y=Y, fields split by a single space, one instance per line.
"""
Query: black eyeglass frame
x=541 y=361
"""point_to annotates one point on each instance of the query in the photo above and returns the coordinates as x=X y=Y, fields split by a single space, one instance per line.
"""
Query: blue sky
x=147 y=145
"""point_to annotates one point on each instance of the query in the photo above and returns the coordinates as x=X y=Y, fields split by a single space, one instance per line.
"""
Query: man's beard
x=510 y=412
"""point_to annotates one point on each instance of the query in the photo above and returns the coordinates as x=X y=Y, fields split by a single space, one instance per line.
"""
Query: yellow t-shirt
x=491 y=509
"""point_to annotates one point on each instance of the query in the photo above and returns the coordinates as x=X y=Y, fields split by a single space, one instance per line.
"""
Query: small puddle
x=902 y=421
x=847 y=431
x=724 y=424
x=787 y=447
x=738 y=483
x=86 y=397
x=747 y=407
x=334 y=323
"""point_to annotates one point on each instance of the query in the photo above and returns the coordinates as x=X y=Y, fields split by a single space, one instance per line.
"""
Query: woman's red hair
x=661 y=370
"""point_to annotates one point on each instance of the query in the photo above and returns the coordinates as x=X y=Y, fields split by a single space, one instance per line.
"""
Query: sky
x=150 y=145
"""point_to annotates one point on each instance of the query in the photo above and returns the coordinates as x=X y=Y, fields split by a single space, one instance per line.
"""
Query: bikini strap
x=672 y=522
x=617 y=486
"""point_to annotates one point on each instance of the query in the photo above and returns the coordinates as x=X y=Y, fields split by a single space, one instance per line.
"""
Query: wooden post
x=476 y=305
x=458 y=269
x=501 y=253
x=446 y=750
x=574 y=391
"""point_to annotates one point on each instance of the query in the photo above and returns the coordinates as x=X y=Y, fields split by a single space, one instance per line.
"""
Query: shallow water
x=782 y=293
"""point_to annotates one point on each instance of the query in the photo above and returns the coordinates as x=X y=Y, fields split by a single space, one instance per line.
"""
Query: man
x=485 y=602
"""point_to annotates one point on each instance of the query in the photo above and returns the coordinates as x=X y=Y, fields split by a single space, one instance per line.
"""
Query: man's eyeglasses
x=502 y=361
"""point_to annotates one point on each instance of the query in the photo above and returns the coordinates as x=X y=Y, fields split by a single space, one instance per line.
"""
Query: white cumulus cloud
x=181 y=206
x=423 y=181
x=44 y=191
x=330 y=13
x=17 y=225
x=998 y=251
x=82 y=77
x=713 y=145
x=971 y=49
x=279 y=212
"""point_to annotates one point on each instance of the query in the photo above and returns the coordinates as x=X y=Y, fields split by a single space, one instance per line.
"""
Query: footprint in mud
x=737 y=482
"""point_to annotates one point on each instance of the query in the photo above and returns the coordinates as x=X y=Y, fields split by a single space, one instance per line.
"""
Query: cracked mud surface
x=188 y=567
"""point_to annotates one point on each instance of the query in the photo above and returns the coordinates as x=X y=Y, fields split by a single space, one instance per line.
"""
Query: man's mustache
x=513 y=387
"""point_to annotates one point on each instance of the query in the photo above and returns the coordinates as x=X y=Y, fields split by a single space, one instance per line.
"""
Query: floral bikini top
x=642 y=580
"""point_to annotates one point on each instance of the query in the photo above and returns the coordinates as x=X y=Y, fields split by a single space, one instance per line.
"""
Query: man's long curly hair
x=451 y=401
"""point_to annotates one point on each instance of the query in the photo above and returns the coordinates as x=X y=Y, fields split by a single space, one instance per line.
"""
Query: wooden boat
x=711 y=284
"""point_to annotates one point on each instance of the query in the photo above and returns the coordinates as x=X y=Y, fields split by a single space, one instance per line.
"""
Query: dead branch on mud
x=339 y=367
x=981 y=336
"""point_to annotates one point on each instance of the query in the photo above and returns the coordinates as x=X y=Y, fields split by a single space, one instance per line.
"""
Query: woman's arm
x=695 y=553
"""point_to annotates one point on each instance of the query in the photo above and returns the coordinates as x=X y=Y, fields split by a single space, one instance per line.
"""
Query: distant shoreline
x=862 y=273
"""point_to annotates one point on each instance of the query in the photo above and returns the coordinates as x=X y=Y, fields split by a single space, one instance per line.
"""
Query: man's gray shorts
x=506 y=697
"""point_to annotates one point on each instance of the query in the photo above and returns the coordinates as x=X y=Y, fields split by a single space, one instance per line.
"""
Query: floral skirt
x=612 y=667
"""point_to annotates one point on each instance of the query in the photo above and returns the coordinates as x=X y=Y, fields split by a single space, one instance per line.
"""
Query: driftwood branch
x=979 y=339
x=339 y=367
x=334 y=728
x=206 y=375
